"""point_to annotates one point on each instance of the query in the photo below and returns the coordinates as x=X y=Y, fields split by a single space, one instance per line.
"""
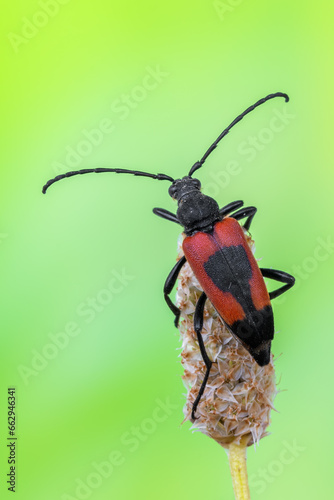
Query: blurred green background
x=86 y=338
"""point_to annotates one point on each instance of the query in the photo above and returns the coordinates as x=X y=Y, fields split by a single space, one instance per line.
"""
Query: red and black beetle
x=216 y=249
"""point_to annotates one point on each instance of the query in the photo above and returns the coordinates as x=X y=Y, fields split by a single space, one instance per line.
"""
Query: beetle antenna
x=213 y=146
x=160 y=177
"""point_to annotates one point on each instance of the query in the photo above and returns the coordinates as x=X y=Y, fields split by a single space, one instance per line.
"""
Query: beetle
x=216 y=249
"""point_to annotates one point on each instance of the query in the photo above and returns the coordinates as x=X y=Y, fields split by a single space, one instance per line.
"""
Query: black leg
x=161 y=212
x=248 y=212
x=280 y=276
x=169 y=285
x=198 y=325
x=230 y=207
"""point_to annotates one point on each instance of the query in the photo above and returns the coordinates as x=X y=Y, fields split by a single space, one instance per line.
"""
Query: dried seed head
x=239 y=394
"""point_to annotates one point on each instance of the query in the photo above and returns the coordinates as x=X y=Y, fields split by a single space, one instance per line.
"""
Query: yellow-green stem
x=237 y=458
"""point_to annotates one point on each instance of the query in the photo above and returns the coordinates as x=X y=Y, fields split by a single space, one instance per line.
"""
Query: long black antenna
x=159 y=177
x=213 y=146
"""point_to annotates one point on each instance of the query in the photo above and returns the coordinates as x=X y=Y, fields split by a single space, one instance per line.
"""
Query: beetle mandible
x=216 y=249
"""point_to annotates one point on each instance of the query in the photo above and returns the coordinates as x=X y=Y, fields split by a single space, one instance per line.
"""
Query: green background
x=68 y=67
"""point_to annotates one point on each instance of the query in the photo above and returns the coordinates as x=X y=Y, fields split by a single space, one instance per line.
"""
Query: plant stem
x=237 y=458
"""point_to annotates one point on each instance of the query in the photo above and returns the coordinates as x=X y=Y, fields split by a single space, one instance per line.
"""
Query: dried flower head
x=235 y=407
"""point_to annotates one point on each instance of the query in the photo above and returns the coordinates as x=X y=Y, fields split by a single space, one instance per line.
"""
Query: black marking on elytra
x=262 y=353
x=248 y=331
x=230 y=270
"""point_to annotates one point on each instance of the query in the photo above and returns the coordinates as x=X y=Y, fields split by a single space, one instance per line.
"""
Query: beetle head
x=184 y=186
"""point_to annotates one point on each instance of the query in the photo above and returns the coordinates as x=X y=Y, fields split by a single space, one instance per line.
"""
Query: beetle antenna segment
x=159 y=177
x=213 y=146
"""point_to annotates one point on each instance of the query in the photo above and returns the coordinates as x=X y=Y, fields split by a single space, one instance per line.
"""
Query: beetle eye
x=172 y=191
x=197 y=183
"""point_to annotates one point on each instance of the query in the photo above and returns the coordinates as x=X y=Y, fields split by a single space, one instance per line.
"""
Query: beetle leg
x=161 y=212
x=280 y=276
x=248 y=212
x=230 y=207
x=198 y=325
x=169 y=285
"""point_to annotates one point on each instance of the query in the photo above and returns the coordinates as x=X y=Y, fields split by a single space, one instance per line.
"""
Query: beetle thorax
x=196 y=211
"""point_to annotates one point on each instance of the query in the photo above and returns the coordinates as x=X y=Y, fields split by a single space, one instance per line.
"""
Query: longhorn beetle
x=217 y=252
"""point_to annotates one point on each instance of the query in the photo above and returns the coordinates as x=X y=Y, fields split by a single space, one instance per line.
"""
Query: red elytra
x=233 y=281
